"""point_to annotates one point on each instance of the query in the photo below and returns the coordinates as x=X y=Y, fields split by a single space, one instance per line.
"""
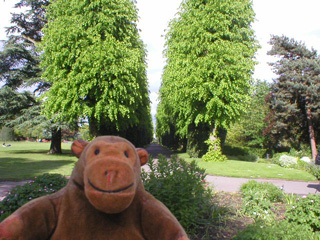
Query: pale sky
x=293 y=18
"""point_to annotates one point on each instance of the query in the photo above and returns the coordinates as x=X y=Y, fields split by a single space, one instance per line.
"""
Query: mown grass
x=233 y=168
x=25 y=160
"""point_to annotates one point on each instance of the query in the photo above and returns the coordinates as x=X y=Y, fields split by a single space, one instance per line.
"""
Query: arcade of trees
x=85 y=64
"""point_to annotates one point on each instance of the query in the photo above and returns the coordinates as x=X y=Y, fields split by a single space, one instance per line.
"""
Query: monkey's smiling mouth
x=114 y=191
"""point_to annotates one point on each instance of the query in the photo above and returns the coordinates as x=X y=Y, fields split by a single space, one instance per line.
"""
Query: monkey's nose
x=110 y=176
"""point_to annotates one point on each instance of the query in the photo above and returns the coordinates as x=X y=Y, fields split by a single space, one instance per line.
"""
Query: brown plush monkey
x=104 y=199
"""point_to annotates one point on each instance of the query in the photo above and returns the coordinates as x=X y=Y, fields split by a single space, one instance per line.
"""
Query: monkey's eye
x=126 y=154
x=97 y=151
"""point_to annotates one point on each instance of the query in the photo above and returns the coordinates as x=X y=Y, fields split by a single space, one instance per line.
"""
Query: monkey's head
x=110 y=169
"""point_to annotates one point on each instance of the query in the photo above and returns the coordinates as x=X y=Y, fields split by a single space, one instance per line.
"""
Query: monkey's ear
x=78 y=146
x=143 y=155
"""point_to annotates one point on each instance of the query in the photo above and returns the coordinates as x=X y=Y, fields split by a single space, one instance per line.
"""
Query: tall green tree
x=19 y=67
x=95 y=60
x=295 y=98
x=210 y=49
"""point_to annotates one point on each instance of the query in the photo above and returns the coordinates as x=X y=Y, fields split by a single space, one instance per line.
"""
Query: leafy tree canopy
x=210 y=48
x=95 y=60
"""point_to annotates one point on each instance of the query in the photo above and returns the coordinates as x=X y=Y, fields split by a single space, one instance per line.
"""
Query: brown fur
x=104 y=199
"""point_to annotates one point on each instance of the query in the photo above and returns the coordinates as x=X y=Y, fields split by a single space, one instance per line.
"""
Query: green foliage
x=248 y=130
x=214 y=153
x=96 y=62
x=271 y=192
x=258 y=199
x=180 y=186
x=305 y=211
x=38 y=187
x=197 y=135
x=20 y=67
x=295 y=94
x=287 y=161
x=210 y=51
x=12 y=103
x=7 y=134
x=277 y=230
x=244 y=153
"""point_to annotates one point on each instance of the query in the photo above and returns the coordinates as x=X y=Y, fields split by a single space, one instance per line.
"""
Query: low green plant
x=305 y=211
x=290 y=199
x=38 y=187
x=259 y=199
x=271 y=192
x=288 y=161
x=283 y=230
x=257 y=206
x=309 y=167
x=214 y=153
x=181 y=187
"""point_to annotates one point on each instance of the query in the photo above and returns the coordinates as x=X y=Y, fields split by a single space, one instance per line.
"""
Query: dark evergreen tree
x=295 y=98
x=19 y=67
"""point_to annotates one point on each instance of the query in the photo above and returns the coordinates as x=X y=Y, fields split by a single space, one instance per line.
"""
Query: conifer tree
x=295 y=99
x=19 y=67
x=95 y=60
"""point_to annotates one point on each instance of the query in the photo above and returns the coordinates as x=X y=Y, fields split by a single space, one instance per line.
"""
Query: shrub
x=258 y=199
x=257 y=206
x=309 y=167
x=180 y=186
x=288 y=161
x=243 y=151
x=38 y=187
x=248 y=158
x=278 y=230
x=305 y=211
x=214 y=153
x=271 y=192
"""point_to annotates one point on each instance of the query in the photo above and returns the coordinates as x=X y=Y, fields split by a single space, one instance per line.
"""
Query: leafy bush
x=305 y=150
x=38 y=187
x=243 y=151
x=234 y=150
x=278 y=230
x=248 y=158
x=180 y=186
x=271 y=192
x=305 y=211
x=310 y=168
x=258 y=207
x=258 y=199
x=288 y=161
x=214 y=153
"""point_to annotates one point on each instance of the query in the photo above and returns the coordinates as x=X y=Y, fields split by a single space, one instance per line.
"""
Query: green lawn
x=24 y=160
x=233 y=168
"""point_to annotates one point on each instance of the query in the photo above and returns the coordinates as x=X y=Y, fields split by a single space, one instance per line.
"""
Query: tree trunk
x=55 y=147
x=311 y=135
